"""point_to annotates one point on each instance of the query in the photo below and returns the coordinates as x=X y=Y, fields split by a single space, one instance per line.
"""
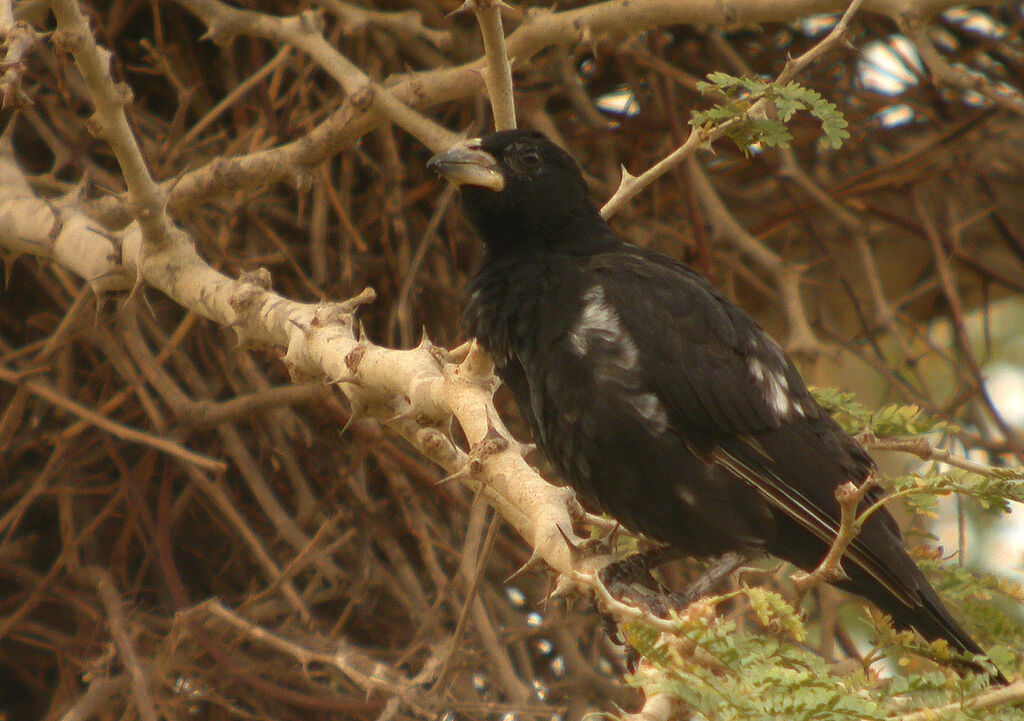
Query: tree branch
x=830 y=569
x=944 y=73
x=924 y=450
x=117 y=624
x=498 y=75
x=541 y=29
x=146 y=199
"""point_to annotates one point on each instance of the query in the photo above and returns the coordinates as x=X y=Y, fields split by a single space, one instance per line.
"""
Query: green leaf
x=735 y=96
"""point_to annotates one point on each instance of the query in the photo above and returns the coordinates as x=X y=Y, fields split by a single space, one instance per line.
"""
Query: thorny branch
x=498 y=75
x=145 y=197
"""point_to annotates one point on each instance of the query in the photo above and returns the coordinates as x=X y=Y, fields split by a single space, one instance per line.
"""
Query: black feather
x=657 y=399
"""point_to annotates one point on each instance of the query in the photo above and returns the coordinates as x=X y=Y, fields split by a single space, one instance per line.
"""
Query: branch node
x=123 y=94
x=95 y=126
x=830 y=570
x=220 y=33
x=355 y=356
x=352 y=305
x=311 y=21
x=434 y=442
x=362 y=98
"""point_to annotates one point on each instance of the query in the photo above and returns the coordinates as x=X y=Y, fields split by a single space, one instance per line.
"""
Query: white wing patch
x=599 y=328
x=775 y=386
x=685 y=494
x=614 y=356
x=651 y=409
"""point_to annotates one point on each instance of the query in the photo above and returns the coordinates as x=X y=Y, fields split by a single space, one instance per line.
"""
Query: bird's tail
x=930 y=618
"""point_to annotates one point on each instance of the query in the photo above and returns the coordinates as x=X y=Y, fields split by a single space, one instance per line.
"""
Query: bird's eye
x=530 y=157
x=522 y=156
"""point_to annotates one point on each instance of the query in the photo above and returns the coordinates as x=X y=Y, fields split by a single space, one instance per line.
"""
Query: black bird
x=656 y=398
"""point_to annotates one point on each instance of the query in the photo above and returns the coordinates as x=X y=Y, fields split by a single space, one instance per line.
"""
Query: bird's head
x=519 y=189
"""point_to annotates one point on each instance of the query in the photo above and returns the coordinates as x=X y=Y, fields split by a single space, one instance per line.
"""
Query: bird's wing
x=715 y=370
x=879 y=534
x=728 y=386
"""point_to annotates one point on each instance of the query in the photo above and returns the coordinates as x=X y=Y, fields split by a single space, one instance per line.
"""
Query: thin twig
x=924 y=450
x=474 y=541
x=304 y=32
x=830 y=569
x=948 y=282
x=632 y=185
x=118 y=626
x=118 y=430
x=358 y=666
x=498 y=75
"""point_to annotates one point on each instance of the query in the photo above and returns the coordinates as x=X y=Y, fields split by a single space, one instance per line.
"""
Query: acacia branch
x=414 y=392
x=498 y=75
x=146 y=199
x=699 y=138
x=30 y=225
x=402 y=388
x=830 y=569
x=924 y=450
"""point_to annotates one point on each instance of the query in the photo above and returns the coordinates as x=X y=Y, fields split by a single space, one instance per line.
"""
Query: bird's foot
x=717 y=571
x=630 y=579
x=634 y=584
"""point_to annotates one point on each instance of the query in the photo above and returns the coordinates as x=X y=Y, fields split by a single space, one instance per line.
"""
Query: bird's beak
x=466 y=163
